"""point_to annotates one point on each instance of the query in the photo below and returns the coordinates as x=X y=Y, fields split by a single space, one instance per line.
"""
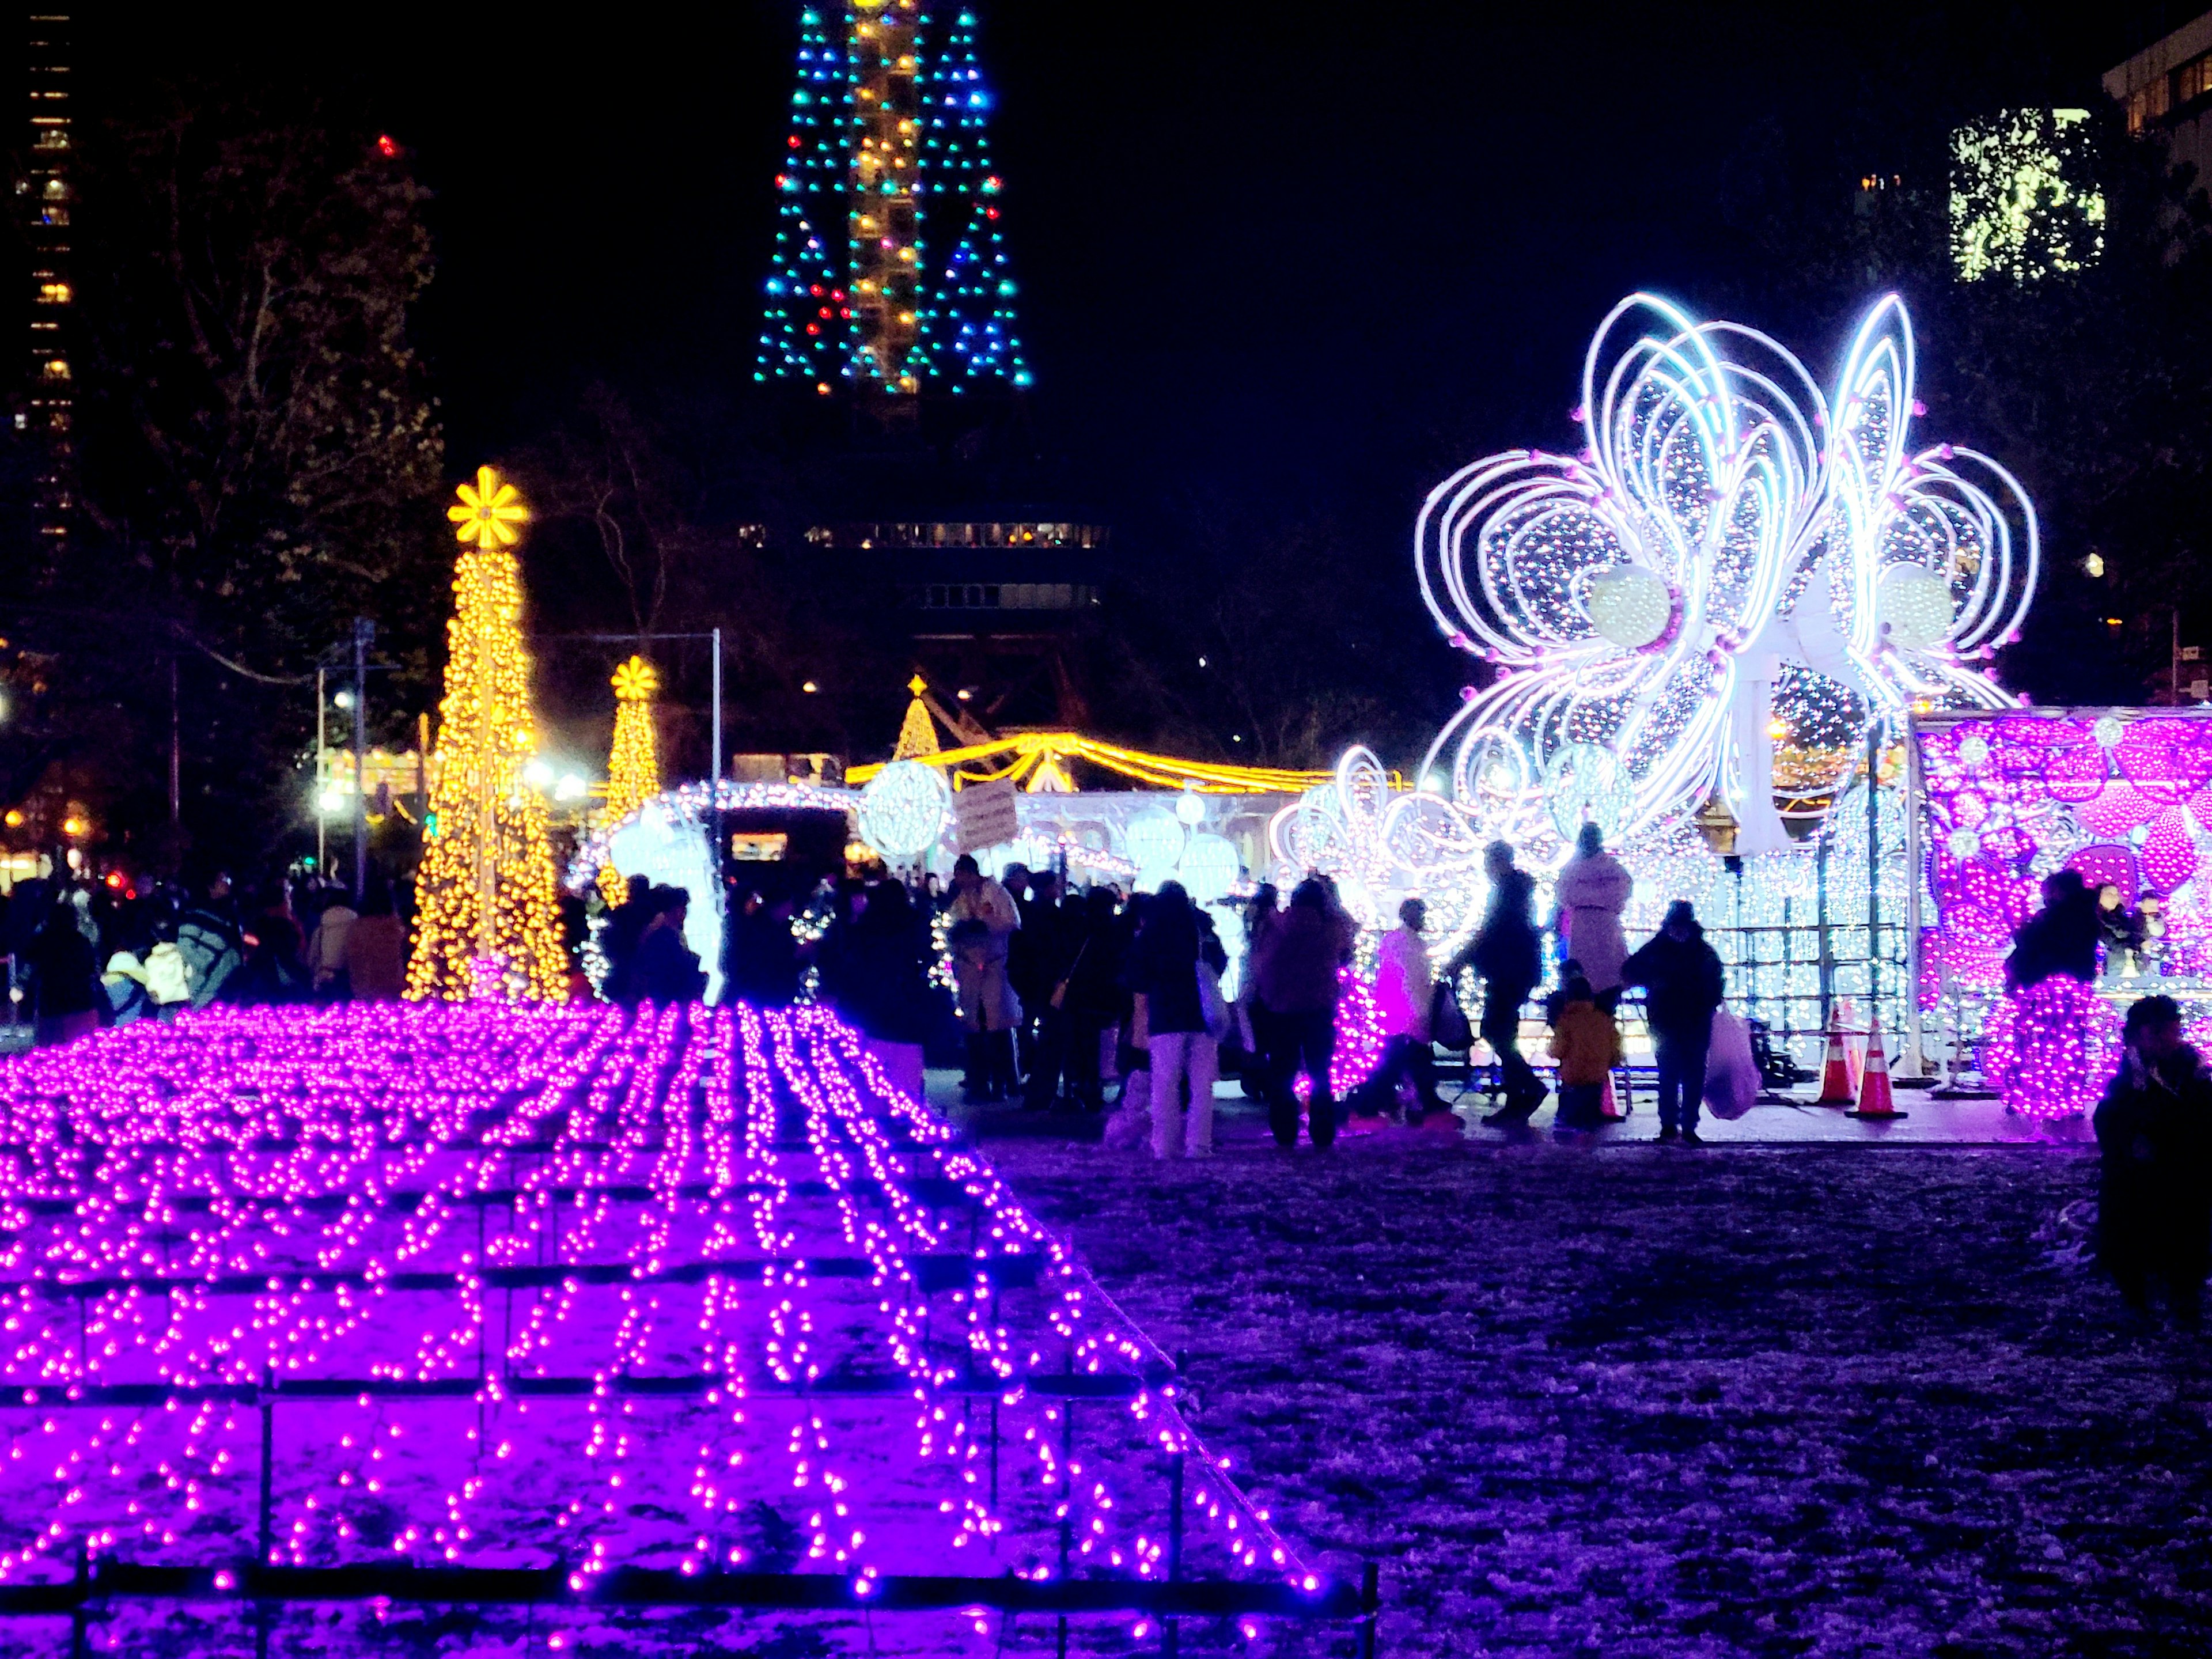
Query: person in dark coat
x=68 y=970
x=1295 y=985
x=665 y=970
x=1164 y=969
x=1097 y=1002
x=2059 y=939
x=1507 y=952
x=1052 y=934
x=275 y=971
x=883 y=988
x=618 y=937
x=1681 y=975
x=2154 y=1136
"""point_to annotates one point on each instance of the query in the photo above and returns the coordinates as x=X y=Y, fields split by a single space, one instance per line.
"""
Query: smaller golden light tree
x=488 y=917
x=633 y=765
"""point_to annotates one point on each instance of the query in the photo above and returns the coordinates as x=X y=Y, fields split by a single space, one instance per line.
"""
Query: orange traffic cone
x=1838 y=1086
x=1875 y=1099
x=1607 y=1106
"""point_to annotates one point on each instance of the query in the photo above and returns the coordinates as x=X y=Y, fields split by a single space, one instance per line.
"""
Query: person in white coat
x=1594 y=890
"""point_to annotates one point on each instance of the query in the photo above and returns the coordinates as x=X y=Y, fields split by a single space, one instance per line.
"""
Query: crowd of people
x=85 y=954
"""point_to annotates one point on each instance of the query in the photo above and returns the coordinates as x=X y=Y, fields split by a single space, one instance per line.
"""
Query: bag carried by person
x=1731 y=1074
x=1448 y=1024
x=1212 y=1009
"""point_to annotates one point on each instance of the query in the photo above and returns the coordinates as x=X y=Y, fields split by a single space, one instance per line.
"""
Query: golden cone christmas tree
x=632 y=767
x=917 y=732
x=488 y=910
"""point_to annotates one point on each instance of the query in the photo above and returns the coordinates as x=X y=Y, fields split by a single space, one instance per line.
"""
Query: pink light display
x=2049 y=1050
x=523 y=1285
x=2122 y=795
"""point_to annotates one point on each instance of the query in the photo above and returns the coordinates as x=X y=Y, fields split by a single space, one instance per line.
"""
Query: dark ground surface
x=1656 y=1401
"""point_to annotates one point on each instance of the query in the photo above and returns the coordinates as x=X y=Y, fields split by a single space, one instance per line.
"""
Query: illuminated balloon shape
x=1209 y=868
x=1709 y=570
x=1629 y=606
x=904 y=809
x=1583 y=784
x=1916 y=607
x=1154 y=843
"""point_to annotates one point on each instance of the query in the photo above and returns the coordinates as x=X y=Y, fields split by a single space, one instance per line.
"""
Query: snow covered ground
x=1644 y=1399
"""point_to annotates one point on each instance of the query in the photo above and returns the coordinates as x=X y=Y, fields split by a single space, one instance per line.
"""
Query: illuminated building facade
x=2166 y=91
x=889 y=278
x=45 y=196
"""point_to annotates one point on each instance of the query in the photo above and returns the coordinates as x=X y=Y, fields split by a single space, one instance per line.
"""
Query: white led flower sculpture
x=1716 y=567
x=1381 y=847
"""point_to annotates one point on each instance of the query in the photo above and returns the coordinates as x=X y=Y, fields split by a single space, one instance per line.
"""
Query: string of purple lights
x=491 y=1287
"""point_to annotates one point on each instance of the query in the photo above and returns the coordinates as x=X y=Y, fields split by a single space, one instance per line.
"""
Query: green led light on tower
x=890 y=274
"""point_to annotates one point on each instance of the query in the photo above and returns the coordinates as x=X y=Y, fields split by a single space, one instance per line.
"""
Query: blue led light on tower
x=890 y=271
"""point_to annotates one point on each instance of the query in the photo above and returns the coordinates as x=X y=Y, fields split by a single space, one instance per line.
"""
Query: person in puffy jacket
x=1593 y=891
x=1295 y=981
x=1587 y=1044
x=1681 y=975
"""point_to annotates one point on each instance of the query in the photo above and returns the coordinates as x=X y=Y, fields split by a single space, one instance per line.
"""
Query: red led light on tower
x=387 y=145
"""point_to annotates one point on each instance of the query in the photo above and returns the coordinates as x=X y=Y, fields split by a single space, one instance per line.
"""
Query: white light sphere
x=1584 y=784
x=1629 y=606
x=1915 y=602
x=1208 y=869
x=1154 y=843
x=1190 y=808
x=904 y=809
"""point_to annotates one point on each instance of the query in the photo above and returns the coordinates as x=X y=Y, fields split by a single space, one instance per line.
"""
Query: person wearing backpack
x=1176 y=957
x=208 y=939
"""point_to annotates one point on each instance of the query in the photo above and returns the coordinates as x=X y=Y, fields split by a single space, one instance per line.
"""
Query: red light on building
x=387 y=145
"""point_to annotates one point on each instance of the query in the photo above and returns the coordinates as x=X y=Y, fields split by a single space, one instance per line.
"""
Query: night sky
x=1311 y=257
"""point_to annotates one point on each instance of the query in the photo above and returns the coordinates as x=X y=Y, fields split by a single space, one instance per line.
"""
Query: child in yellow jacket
x=1587 y=1044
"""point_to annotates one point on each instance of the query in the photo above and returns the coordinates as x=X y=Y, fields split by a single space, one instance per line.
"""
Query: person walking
x=326 y=949
x=882 y=990
x=1405 y=997
x=376 y=947
x=1172 y=948
x=983 y=923
x=1295 y=988
x=1586 y=1042
x=2154 y=1141
x=1097 y=1004
x=1594 y=890
x=1681 y=975
x=1507 y=953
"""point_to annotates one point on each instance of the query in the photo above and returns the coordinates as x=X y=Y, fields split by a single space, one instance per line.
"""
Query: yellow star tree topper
x=632 y=767
x=488 y=917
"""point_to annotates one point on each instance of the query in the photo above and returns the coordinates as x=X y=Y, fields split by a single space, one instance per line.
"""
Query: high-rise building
x=45 y=196
x=2167 y=90
x=889 y=278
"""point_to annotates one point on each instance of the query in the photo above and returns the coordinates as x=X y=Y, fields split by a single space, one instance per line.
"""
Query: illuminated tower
x=46 y=200
x=889 y=277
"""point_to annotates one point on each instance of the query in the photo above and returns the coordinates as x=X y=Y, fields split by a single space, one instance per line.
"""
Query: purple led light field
x=695 y=1290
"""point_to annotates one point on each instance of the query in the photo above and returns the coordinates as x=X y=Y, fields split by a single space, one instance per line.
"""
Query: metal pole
x=363 y=631
x=1916 y=1063
x=715 y=770
x=322 y=779
x=1874 y=874
x=176 y=747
